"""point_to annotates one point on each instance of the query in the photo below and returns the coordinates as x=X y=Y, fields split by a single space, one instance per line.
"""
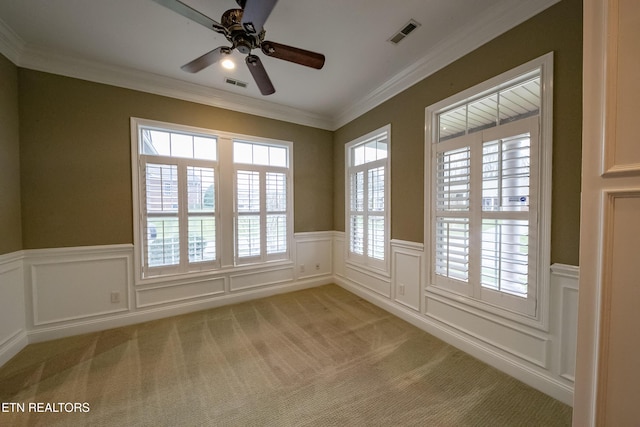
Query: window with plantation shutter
x=179 y=214
x=489 y=193
x=367 y=199
x=263 y=179
x=207 y=200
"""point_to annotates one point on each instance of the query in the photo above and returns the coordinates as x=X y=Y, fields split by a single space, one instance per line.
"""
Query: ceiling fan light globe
x=228 y=64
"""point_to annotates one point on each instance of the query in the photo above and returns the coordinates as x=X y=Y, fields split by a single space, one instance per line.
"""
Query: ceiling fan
x=244 y=29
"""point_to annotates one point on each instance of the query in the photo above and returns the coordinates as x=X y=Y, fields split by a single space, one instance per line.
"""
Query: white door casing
x=607 y=387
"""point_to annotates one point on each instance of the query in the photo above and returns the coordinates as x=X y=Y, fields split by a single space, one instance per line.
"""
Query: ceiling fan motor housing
x=242 y=40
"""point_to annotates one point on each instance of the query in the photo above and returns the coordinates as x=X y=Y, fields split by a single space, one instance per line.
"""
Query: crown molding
x=493 y=22
x=50 y=62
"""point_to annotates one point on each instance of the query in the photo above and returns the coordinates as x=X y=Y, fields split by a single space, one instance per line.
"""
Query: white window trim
x=540 y=319
x=225 y=203
x=364 y=261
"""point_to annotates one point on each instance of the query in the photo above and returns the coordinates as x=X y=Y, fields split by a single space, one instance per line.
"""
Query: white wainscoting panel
x=368 y=279
x=177 y=292
x=568 y=333
x=261 y=277
x=564 y=287
x=78 y=283
x=314 y=254
x=406 y=263
x=507 y=337
x=13 y=331
x=339 y=254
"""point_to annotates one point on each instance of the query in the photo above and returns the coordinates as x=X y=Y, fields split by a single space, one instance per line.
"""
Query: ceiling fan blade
x=256 y=13
x=207 y=59
x=293 y=54
x=192 y=14
x=260 y=75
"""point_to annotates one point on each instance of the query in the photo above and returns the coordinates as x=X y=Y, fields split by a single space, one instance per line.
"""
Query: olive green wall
x=10 y=226
x=76 y=158
x=557 y=29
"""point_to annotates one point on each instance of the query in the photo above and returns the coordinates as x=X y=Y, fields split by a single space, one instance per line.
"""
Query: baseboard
x=13 y=346
x=512 y=367
x=155 y=313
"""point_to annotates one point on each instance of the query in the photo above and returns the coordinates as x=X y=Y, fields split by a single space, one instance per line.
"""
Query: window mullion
x=225 y=208
x=475 y=217
x=183 y=215
x=365 y=215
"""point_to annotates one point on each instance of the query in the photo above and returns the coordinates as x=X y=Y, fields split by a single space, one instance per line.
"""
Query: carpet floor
x=318 y=357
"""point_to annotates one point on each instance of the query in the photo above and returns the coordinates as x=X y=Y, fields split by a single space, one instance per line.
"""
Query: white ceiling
x=140 y=44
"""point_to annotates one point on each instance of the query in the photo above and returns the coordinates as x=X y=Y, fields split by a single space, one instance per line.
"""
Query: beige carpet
x=319 y=357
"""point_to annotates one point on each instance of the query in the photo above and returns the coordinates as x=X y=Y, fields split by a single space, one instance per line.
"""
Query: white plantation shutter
x=276 y=195
x=356 y=217
x=367 y=193
x=376 y=237
x=506 y=177
x=162 y=226
x=453 y=180
x=484 y=204
x=356 y=234
x=201 y=212
x=451 y=243
x=506 y=174
x=376 y=209
x=505 y=256
x=248 y=210
x=452 y=248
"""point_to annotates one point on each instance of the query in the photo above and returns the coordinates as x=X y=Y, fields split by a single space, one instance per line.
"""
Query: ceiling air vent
x=404 y=32
x=235 y=82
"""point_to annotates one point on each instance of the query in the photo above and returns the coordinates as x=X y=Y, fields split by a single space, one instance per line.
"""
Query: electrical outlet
x=318 y=266
x=401 y=289
x=115 y=297
x=301 y=268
